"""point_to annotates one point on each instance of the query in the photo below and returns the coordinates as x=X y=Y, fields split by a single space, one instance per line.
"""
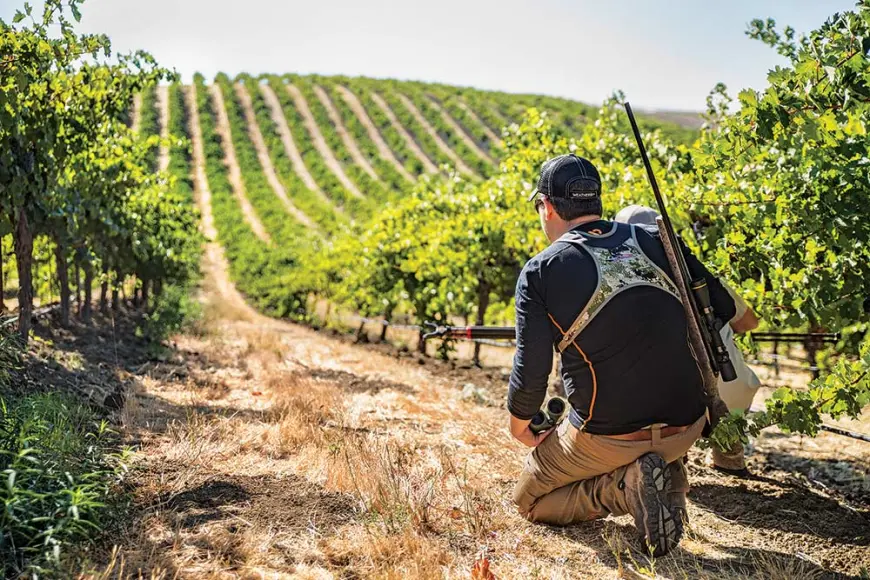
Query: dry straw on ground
x=287 y=453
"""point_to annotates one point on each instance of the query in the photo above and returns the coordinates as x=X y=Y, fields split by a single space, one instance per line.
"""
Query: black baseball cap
x=569 y=177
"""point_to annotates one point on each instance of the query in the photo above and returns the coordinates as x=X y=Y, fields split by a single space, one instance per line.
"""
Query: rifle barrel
x=472 y=332
x=669 y=228
x=829 y=337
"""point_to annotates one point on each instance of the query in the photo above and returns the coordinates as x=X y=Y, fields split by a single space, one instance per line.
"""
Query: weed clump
x=58 y=464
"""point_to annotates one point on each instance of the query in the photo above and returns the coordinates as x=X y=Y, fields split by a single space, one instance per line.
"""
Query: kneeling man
x=603 y=296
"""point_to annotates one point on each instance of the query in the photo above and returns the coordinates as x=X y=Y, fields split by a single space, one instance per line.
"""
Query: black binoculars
x=549 y=416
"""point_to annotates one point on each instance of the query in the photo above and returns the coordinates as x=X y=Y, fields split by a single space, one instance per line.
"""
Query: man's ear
x=551 y=211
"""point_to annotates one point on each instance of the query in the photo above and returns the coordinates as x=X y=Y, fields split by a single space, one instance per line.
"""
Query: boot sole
x=663 y=524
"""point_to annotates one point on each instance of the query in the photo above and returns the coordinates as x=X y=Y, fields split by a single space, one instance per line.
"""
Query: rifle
x=709 y=350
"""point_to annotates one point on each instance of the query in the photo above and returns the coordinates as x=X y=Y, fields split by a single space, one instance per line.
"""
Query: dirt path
x=320 y=143
x=232 y=164
x=290 y=146
x=136 y=112
x=466 y=138
x=383 y=149
x=201 y=192
x=444 y=147
x=163 y=109
x=409 y=139
x=346 y=137
x=265 y=161
x=490 y=134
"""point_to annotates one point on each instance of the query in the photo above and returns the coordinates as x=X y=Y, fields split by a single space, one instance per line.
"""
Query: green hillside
x=356 y=143
x=302 y=171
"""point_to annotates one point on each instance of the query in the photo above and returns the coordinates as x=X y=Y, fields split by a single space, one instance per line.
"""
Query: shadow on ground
x=847 y=478
x=763 y=502
x=228 y=517
x=285 y=504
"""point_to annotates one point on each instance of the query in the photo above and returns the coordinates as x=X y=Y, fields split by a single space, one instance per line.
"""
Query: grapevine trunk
x=63 y=281
x=89 y=284
x=23 y=243
x=104 y=290
x=78 y=280
x=483 y=289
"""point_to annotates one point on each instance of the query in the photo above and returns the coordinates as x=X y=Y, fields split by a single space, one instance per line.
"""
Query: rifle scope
x=720 y=352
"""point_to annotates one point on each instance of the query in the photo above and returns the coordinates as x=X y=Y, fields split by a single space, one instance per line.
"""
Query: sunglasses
x=539 y=203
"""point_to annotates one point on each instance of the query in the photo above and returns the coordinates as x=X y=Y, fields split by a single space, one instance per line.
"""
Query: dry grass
x=285 y=453
x=367 y=553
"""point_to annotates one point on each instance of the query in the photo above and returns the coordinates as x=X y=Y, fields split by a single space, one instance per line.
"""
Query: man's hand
x=744 y=318
x=747 y=322
x=521 y=432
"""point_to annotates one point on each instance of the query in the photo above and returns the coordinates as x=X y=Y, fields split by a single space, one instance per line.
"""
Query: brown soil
x=232 y=164
x=346 y=137
x=163 y=109
x=460 y=165
x=320 y=143
x=286 y=502
x=95 y=361
x=490 y=134
x=466 y=138
x=409 y=139
x=265 y=161
x=383 y=149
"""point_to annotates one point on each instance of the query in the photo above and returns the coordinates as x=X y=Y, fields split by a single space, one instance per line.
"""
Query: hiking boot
x=648 y=493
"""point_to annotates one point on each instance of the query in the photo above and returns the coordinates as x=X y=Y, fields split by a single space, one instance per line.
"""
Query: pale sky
x=665 y=54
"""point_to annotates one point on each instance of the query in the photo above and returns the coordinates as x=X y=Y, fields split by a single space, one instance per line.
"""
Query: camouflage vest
x=621 y=265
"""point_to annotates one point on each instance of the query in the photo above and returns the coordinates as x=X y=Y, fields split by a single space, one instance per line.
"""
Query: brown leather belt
x=647 y=433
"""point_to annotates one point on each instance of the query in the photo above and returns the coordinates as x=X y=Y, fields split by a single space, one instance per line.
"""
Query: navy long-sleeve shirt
x=639 y=365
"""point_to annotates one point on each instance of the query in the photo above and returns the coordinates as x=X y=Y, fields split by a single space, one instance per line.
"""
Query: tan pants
x=574 y=476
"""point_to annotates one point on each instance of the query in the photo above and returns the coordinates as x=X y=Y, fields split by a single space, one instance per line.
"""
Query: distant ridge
x=685 y=119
